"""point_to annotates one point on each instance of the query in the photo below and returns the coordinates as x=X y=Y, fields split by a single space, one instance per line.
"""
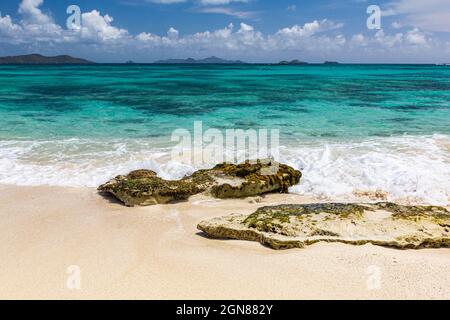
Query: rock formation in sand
x=296 y=226
x=144 y=187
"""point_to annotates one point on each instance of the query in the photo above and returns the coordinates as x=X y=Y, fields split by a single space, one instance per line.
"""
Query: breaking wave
x=406 y=167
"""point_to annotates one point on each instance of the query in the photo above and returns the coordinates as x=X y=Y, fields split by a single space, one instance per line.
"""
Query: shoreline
x=408 y=168
x=157 y=253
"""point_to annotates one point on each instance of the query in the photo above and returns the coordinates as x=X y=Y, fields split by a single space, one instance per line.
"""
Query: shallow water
x=348 y=127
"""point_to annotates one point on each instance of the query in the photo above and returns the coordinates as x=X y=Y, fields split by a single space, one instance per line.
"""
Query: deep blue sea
x=349 y=128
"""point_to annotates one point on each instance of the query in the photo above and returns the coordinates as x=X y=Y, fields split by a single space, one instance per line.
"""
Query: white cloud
x=416 y=37
x=413 y=37
x=246 y=38
x=228 y=12
x=386 y=40
x=32 y=14
x=39 y=27
x=8 y=28
x=430 y=15
x=246 y=28
x=397 y=25
x=226 y=39
x=98 y=27
x=317 y=39
x=309 y=29
x=36 y=26
x=147 y=37
x=358 y=40
x=172 y=33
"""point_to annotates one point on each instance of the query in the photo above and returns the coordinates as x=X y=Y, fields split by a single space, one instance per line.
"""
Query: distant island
x=36 y=59
x=292 y=63
x=210 y=60
x=40 y=59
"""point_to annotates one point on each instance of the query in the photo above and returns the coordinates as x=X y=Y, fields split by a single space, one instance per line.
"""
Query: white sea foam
x=415 y=168
x=407 y=168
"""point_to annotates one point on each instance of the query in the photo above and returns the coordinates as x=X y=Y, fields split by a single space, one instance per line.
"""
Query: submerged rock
x=296 y=226
x=144 y=187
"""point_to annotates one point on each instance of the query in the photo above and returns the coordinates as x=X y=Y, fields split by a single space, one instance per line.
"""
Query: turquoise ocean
x=349 y=128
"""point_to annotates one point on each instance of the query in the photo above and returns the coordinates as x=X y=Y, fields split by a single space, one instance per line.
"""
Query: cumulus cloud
x=172 y=33
x=358 y=40
x=38 y=27
x=225 y=38
x=388 y=40
x=246 y=37
x=31 y=12
x=317 y=39
x=416 y=37
x=309 y=29
x=8 y=28
x=99 y=28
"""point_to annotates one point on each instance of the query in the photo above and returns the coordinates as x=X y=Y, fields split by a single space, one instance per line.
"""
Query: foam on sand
x=414 y=169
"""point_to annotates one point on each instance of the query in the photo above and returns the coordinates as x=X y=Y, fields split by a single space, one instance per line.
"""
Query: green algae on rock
x=248 y=179
x=296 y=226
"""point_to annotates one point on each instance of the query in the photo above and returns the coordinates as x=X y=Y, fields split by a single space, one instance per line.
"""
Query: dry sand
x=157 y=253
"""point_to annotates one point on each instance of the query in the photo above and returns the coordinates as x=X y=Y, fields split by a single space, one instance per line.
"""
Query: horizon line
x=281 y=62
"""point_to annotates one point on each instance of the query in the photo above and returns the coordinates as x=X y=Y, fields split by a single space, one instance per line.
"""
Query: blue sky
x=251 y=30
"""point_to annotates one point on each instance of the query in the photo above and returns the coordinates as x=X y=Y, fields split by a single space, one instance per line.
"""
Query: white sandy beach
x=157 y=253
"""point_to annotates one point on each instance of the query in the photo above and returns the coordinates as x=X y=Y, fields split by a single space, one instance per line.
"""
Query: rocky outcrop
x=296 y=226
x=144 y=187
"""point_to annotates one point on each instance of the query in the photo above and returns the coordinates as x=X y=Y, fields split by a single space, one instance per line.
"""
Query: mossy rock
x=144 y=187
x=296 y=226
x=252 y=180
